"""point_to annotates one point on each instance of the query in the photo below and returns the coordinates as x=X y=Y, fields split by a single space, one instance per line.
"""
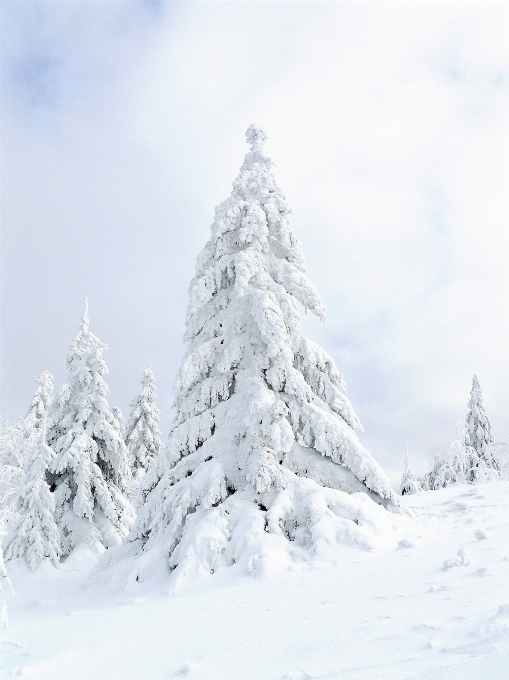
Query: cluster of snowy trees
x=473 y=457
x=262 y=450
x=263 y=444
x=68 y=473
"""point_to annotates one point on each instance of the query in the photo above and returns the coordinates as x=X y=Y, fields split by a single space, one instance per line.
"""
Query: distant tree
x=120 y=418
x=500 y=451
x=263 y=440
x=409 y=482
x=35 y=535
x=40 y=403
x=478 y=437
x=4 y=577
x=441 y=475
x=474 y=455
x=89 y=475
x=142 y=435
x=15 y=444
x=13 y=452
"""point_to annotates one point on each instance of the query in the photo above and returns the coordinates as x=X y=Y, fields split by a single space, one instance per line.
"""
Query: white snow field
x=431 y=603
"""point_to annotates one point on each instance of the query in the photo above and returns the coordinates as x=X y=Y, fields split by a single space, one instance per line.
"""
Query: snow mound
x=305 y=522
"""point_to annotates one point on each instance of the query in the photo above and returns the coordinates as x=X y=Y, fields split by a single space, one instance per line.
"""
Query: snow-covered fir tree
x=441 y=475
x=478 y=437
x=4 y=578
x=263 y=442
x=13 y=452
x=142 y=435
x=89 y=475
x=40 y=403
x=35 y=535
x=474 y=455
x=120 y=419
x=15 y=444
x=409 y=481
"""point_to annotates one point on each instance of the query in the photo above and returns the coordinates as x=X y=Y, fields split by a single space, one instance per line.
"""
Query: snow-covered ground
x=395 y=614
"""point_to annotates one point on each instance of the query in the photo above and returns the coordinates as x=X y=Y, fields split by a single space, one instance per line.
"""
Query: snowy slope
x=394 y=614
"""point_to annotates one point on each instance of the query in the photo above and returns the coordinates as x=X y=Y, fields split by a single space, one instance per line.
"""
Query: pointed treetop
x=148 y=377
x=84 y=319
x=255 y=135
x=476 y=390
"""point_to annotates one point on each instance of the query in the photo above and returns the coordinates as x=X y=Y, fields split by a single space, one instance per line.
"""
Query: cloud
x=62 y=54
x=387 y=122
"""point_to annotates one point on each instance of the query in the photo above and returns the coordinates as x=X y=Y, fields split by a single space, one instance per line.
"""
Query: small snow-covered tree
x=35 y=534
x=409 y=481
x=120 y=419
x=89 y=475
x=40 y=403
x=142 y=435
x=478 y=437
x=13 y=452
x=15 y=444
x=441 y=475
x=474 y=455
x=500 y=452
x=263 y=440
x=4 y=620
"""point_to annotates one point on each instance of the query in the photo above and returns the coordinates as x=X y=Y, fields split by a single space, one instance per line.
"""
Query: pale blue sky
x=123 y=126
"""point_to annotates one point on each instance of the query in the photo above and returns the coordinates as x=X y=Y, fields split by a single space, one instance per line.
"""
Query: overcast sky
x=123 y=126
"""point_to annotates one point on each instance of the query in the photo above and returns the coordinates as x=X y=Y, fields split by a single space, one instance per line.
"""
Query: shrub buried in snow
x=263 y=443
x=409 y=481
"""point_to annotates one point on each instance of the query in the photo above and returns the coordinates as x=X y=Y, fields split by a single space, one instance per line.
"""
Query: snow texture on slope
x=392 y=614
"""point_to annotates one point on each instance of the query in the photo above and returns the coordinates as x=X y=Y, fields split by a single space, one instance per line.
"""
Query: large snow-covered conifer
x=89 y=475
x=142 y=436
x=35 y=534
x=263 y=443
